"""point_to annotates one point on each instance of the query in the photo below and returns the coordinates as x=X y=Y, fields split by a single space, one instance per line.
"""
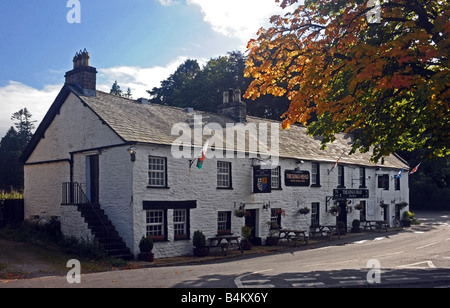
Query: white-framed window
x=315 y=206
x=341 y=182
x=315 y=174
x=157 y=171
x=223 y=174
x=155 y=222
x=362 y=177
x=224 y=221
x=276 y=178
x=180 y=222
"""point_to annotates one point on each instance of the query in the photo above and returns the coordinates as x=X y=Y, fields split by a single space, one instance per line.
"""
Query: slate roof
x=152 y=124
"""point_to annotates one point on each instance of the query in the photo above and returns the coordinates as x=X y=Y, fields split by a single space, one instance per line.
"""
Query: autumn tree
x=378 y=70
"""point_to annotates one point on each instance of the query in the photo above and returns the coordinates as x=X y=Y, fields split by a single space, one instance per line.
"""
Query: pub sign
x=296 y=178
x=262 y=180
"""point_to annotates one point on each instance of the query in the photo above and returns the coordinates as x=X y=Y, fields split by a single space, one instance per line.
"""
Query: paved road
x=416 y=257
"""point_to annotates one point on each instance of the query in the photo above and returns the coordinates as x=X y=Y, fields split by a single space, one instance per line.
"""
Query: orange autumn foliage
x=385 y=82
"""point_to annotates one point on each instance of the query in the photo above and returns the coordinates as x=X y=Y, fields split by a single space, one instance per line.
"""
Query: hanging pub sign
x=342 y=193
x=296 y=178
x=262 y=180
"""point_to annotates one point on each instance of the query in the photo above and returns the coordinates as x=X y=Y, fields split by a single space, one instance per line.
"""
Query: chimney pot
x=82 y=75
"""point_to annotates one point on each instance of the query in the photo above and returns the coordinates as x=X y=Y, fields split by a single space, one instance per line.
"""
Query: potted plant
x=341 y=227
x=402 y=205
x=146 y=247
x=408 y=218
x=383 y=205
x=199 y=241
x=246 y=231
x=334 y=210
x=272 y=239
x=359 y=206
x=356 y=226
x=240 y=212
x=305 y=210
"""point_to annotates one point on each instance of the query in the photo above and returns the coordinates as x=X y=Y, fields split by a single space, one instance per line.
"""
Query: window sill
x=316 y=185
x=225 y=188
x=183 y=237
x=160 y=187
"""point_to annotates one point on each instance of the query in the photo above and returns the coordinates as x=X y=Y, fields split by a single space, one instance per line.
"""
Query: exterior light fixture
x=132 y=151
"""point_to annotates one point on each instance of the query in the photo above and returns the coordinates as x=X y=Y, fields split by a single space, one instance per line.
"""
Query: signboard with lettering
x=342 y=193
x=262 y=180
x=296 y=178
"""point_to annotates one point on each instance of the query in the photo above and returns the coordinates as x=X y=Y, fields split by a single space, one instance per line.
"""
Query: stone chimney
x=233 y=106
x=82 y=75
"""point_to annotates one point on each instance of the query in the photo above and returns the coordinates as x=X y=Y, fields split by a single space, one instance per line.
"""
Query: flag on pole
x=336 y=163
x=399 y=175
x=415 y=169
x=201 y=156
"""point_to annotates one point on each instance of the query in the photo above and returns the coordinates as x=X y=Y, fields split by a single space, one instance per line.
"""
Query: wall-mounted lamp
x=266 y=206
x=132 y=151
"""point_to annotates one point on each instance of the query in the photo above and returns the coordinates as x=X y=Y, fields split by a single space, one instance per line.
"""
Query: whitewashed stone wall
x=123 y=185
x=201 y=185
x=73 y=224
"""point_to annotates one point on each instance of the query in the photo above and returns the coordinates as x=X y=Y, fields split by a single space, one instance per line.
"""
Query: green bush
x=199 y=239
x=411 y=217
x=146 y=244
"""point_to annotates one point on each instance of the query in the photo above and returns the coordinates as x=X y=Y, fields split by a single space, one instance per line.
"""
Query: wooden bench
x=224 y=242
x=374 y=225
x=295 y=235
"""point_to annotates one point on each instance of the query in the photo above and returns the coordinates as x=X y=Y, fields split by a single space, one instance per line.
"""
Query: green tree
x=24 y=126
x=11 y=171
x=202 y=88
x=115 y=89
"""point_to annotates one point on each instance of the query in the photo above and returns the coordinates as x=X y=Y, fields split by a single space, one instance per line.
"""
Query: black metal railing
x=73 y=193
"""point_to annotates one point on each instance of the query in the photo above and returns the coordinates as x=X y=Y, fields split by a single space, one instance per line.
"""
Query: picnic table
x=224 y=242
x=374 y=225
x=328 y=230
x=292 y=234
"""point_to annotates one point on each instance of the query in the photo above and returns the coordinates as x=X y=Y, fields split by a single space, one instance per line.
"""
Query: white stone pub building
x=103 y=165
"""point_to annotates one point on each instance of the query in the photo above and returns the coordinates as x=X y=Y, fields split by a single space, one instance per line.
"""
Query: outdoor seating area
x=324 y=231
x=224 y=242
x=294 y=235
x=375 y=225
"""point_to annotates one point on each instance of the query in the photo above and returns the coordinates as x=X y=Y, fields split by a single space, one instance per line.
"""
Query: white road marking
x=402 y=278
x=389 y=254
x=431 y=244
x=428 y=264
x=299 y=279
x=360 y=242
x=240 y=284
x=307 y=284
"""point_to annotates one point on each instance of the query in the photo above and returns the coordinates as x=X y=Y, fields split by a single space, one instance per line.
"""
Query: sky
x=139 y=43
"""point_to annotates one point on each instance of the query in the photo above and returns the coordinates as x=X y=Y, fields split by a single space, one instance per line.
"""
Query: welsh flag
x=202 y=155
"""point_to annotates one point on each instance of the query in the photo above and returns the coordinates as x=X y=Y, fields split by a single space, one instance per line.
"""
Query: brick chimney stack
x=233 y=106
x=82 y=75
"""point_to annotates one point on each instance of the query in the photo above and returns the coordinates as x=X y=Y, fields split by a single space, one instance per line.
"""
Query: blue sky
x=137 y=42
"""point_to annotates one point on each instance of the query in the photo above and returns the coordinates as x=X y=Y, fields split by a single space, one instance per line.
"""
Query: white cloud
x=167 y=2
x=138 y=79
x=238 y=18
x=16 y=96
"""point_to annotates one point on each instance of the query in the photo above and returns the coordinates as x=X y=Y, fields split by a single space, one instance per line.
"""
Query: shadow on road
x=345 y=278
